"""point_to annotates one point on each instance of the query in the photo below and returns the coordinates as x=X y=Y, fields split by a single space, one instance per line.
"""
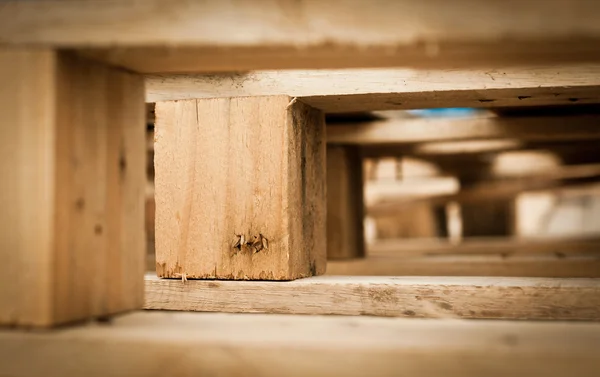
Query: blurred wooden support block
x=73 y=161
x=488 y=218
x=350 y=90
x=442 y=129
x=470 y=265
x=345 y=214
x=416 y=221
x=184 y=36
x=240 y=189
x=138 y=345
x=422 y=297
x=502 y=246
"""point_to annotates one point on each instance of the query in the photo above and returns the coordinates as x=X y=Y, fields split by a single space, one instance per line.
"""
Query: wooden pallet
x=240 y=185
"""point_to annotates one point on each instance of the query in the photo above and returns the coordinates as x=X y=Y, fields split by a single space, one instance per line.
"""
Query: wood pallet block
x=150 y=343
x=72 y=167
x=240 y=189
x=345 y=212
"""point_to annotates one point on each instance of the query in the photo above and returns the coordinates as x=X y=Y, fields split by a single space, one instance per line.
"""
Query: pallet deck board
x=150 y=343
x=471 y=265
x=486 y=246
x=184 y=36
x=348 y=90
x=423 y=297
x=429 y=130
x=240 y=189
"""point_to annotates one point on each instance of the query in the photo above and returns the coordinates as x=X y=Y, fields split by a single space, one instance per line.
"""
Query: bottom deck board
x=423 y=297
x=188 y=344
x=557 y=266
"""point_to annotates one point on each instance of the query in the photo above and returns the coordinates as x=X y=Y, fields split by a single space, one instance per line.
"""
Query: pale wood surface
x=470 y=265
x=240 y=166
x=345 y=212
x=424 y=297
x=73 y=161
x=155 y=343
x=391 y=89
x=424 y=130
x=187 y=36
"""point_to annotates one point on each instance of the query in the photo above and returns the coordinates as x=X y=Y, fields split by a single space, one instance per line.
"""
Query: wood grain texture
x=147 y=343
x=348 y=90
x=240 y=167
x=471 y=265
x=73 y=164
x=187 y=36
x=422 y=297
x=345 y=214
x=429 y=130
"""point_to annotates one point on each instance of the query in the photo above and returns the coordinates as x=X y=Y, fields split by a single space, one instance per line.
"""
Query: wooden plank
x=145 y=343
x=490 y=189
x=485 y=245
x=231 y=172
x=422 y=297
x=345 y=214
x=471 y=265
x=73 y=161
x=427 y=130
x=184 y=36
x=473 y=153
x=353 y=90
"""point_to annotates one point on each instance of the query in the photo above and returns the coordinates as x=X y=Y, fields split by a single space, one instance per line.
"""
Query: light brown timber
x=421 y=297
x=72 y=166
x=349 y=90
x=187 y=36
x=559 y=266
x=487 y=190
x=148 y=343
x=429 y=130
x=345 y=214
x=240 y=189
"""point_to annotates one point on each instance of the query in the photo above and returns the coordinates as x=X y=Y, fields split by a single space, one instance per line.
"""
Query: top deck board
x=194 y=36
